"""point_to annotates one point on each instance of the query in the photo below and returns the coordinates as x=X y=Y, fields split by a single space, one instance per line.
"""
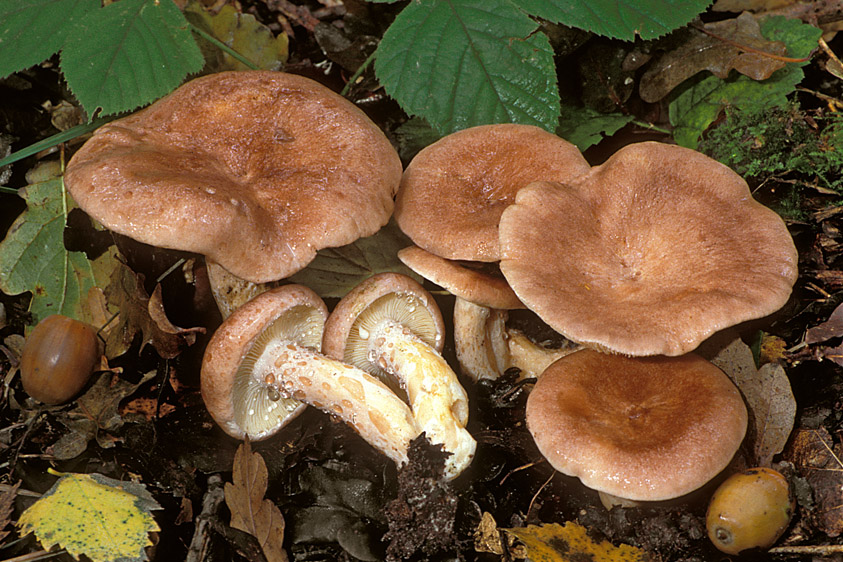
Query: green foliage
x=586 y=127
x=618 y=19
x=461 y=63
x=469 y=62
x=115 y=58
x=780 y=143
x=699 y=101
x=33 y=257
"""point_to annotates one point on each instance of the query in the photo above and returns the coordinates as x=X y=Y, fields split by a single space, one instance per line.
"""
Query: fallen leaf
x=104 y=519
x=570 y=543
x=250 y=512
x=144 y=314
x=335 y=271
x=243 y=33
x=768 y=396
x=487 y=538
x=7 y=504
x=831 y=328
x=721 y=47
x=816 y=457
x=95 y=416
x=33 y=256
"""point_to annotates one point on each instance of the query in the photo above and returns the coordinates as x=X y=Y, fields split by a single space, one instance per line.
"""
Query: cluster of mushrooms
x=637 y=260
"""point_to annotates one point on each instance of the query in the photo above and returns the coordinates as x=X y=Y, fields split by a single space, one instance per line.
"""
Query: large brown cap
x=454 y=191
x=648 y=254
x=257 y=170
x=645 y=429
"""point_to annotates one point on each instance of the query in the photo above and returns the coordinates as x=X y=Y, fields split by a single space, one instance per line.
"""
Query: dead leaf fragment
x=144 y=314
x=570 y=543
x=7 y=504
x=722 y=46
x=768 y=396
x=813 y=452
x=831 y=328
x=250 y=512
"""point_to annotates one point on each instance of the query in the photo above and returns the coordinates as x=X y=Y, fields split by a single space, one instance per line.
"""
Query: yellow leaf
x=570 y=543
x=89 y=514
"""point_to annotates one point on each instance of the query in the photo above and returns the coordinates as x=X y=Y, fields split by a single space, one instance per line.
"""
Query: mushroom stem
x=480 y=340
x=486 y=348
x=351 y=394
x=438 y=401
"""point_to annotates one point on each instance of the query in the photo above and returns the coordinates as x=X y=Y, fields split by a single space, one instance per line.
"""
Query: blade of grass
x=220 y=45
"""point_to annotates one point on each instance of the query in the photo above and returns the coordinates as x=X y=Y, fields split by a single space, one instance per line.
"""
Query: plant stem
x=357 y=74
x=220 y=45
x=56 y=139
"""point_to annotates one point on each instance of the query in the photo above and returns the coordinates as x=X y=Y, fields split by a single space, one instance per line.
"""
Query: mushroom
x=389 y=325
x=263 y=363
x=453 y=192
x=649 y=253
x=450 y=202
x=485 y=346
x=643 y=428
x=256 y=170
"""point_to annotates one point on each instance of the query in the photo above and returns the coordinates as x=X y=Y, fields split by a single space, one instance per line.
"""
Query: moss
x=784 y=148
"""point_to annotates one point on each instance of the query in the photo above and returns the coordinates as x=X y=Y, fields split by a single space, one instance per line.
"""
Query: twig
x=32 y=556
x=820 y=549
x=200 y=543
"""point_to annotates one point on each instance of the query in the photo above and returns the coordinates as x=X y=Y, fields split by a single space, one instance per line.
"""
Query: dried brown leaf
x=831 y=328
x=769 y=398
x=142 y=313
x=250 y=512
x=813 y=452
x=722 y=46
x=7 y=504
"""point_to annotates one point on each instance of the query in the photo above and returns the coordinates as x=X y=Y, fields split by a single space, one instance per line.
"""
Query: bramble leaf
x=129 y=54
x=31 y=31
x=104 y=519
x=619 y=19
x=469 y=62
x=33 y=256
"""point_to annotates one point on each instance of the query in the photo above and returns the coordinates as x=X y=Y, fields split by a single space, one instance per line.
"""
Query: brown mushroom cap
x=453 y=192
x=473 y=285
x=649 y=253
x=645 y=429
x=257 y=170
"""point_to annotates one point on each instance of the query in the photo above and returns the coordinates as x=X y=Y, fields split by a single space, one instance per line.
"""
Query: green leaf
x=335 y=271
x=586 y=127
x=619 y=19
x=129 y=54
x=697 y=103
x=33 y=257
x=242 y=33
x=31 y=31
x=105 y=519
x=460 y=63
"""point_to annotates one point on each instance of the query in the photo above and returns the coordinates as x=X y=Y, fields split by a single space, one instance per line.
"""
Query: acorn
x=750 y=509
x=58 y=359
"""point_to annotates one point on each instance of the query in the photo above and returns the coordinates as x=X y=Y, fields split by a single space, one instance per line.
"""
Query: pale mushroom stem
x=486 y=348
x=351 y=394
x=480 y=340
x=438 y=401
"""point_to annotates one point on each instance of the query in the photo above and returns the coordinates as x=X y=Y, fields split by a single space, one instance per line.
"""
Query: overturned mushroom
x=640 y=428
x=256 y=170
x=649 y=253
x=391 y=326
x=263 y=362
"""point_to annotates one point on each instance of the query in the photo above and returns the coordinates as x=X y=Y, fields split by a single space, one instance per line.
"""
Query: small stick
x=200 y=543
